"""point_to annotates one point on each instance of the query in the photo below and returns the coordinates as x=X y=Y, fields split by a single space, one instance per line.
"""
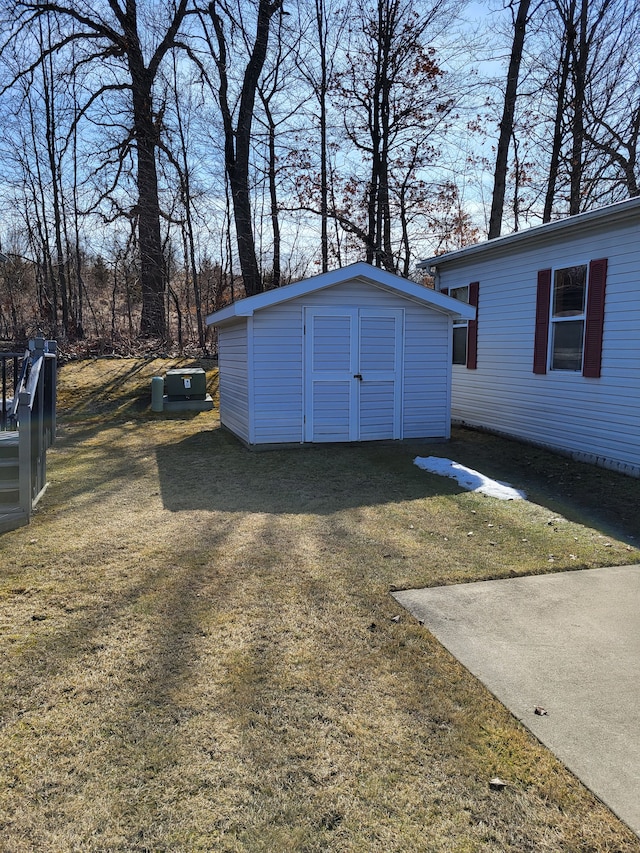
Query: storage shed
x=356 y=354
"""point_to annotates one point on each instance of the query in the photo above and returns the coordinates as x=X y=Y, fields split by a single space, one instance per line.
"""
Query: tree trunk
x=273 y=199
x=384 y=236
x=506 y=124
x=153 y=319
x=580 y=75
x=322 y=101
x=185 y=184
x=50 y=112
x=237 y=140
x=557 y=125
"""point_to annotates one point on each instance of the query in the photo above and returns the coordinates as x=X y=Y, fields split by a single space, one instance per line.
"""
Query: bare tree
x=280 y=100
x=560 y=78
x=506 y=123
x=586 y=50
x=612 y=99
x=184 y=171
x=229 y=24
x=396 y=103
x=322 y=25
x=132 y=40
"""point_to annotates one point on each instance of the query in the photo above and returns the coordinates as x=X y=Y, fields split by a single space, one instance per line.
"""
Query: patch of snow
x=469 y=479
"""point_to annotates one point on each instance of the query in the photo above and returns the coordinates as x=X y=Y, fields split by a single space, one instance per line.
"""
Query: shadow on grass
x=121 y=393
x=212 y=471
x=131 y=714
x=579 y=492
x=108 y=393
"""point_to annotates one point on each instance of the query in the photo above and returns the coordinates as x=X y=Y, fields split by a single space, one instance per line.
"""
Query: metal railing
x=12 y=367
x=32 y=412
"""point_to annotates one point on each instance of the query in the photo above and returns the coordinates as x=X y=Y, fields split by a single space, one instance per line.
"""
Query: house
x=554 y=354
x=356 y=354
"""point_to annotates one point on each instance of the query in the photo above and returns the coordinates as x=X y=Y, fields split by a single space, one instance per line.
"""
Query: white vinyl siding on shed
x=427 y=375
x=380 y=363
x=233 y=364
x=278 y=374
x=596 y=419
x=330 y=361
x=278 y=353
x=358 y=353
x=332 y=412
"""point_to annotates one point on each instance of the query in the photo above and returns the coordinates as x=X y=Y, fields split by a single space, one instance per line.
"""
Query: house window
x=570 y=319
x=568 y=316
x=460 y=327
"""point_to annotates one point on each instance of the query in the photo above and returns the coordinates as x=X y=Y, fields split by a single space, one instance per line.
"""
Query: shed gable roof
x=612 y=214
x=361 y=272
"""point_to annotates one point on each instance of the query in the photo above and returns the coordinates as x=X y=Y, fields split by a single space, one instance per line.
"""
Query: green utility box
x=185 y=384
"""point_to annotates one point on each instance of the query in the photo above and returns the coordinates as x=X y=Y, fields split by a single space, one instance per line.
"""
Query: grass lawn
x=200 y=651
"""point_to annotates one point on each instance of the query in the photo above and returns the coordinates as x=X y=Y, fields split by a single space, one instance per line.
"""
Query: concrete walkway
x=568 y=643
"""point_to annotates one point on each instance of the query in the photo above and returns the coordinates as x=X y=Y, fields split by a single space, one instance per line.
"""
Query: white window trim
x=552 y=321
x=459 y=323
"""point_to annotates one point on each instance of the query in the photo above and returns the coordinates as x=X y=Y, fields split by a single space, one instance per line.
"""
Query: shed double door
x=353 y=368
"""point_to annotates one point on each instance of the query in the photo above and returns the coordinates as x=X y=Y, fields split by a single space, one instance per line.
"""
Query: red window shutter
x=472 y=328
x=543 y=305
x=444 y=291
x=595 y=319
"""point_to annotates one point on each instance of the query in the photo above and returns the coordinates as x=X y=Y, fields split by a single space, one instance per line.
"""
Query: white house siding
x=278 y=352
x=233 y=364
x=593 y=419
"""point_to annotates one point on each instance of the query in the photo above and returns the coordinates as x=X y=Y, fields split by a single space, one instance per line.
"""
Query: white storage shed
x=356 y=354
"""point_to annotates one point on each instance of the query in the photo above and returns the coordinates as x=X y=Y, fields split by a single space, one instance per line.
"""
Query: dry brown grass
x=199 y=651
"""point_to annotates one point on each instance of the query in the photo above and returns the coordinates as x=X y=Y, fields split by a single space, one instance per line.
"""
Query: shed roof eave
x=355 y=272
x=225 y=315
x=616 y=212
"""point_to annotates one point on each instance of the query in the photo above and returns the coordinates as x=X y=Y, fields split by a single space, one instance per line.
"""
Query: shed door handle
x=357 y=376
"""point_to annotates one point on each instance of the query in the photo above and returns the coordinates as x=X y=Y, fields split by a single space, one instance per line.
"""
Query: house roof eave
x=616 y=212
